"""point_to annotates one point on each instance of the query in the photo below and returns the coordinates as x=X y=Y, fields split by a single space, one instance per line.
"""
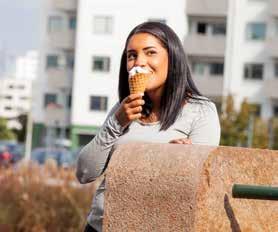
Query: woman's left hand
x=181 y=141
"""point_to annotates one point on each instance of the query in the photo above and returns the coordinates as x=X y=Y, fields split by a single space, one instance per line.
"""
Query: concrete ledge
x=169 y=187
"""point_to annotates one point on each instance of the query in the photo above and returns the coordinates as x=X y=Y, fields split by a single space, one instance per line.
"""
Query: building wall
x=15 y=97
x=126 y=15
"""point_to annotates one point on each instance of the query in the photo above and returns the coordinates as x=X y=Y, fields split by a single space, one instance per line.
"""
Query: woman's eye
x=131 y=56
x=149 y=53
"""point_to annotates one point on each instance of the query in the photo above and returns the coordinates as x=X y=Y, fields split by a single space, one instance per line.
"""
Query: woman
x=171 y=110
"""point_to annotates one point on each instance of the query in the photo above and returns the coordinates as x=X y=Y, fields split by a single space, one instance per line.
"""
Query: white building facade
x=27 y=66
x=95 y=42
x=102 y=29
x=232 y=45
x=15 y=97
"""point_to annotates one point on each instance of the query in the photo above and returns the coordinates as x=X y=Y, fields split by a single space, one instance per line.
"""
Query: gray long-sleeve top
x=198 y=121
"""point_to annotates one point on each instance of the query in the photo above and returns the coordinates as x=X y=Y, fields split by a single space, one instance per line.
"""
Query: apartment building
x=52 y=90
x=15 y=97
x=232 y=47
x=81 y=45
x=205 y=45
x=27 y=66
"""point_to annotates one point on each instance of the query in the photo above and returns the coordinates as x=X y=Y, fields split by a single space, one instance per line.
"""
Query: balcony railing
x=59 y=78
x=62 y=39
x=207 y=8
x=270 y=88
x=56 y=115
x=66 y=5
x=209 y=85
x=202 y=45
x=272 y=46
x=273 y=6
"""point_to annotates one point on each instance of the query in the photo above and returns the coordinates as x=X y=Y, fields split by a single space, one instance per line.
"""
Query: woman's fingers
x=181 y=141
x=130 y=109
x=132 y=97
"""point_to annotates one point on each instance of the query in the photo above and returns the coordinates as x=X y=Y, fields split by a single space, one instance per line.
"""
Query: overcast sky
x=19 y=25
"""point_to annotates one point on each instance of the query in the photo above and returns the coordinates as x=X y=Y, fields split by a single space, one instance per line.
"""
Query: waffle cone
x=138 y=82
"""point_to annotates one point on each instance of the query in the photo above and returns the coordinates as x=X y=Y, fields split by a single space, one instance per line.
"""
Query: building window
x=101 y=63
x=8 y=97
x=219 y=29
x=216 y=68
x=157 y=20
x=276 y=70
x=198 y=68
x=103 y=24
x=72 y=22
x=52 y=61
x=202 y=28
x=70 y=62
x=253 y=71
x=256 y=31
x=69 y=101
x=275 y=111
x=98 y=103
x=8 y=108
x=50 y=98
x=55 y=24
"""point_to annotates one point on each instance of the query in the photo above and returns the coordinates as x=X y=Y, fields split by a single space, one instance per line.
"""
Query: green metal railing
x=255 y=192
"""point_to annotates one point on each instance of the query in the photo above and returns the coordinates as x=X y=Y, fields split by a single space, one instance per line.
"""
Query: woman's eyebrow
x=130 y=50
x=146 y=48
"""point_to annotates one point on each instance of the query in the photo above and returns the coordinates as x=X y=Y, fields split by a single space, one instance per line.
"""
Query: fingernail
x=142 y=94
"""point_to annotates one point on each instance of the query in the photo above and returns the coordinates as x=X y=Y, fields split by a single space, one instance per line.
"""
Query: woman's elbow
x=83 y=176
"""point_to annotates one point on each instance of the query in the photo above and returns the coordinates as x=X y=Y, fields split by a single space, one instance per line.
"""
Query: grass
x=34 y=198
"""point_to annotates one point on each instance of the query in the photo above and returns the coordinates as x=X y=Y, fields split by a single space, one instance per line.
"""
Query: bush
x=43 y=199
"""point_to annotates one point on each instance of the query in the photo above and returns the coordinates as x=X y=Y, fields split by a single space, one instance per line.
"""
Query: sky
x=19 y=25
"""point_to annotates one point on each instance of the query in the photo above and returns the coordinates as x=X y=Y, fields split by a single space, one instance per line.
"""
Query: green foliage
x=20 y=134
x=5 y=133
x=235 y=126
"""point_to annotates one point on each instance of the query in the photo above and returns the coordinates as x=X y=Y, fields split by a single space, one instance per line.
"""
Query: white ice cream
x=137 y=69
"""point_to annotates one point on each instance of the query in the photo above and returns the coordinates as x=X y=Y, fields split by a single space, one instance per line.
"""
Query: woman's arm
x=206 y=127
x=93 y=157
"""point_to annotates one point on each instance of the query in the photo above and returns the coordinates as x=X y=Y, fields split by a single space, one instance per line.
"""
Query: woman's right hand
x=130 y=109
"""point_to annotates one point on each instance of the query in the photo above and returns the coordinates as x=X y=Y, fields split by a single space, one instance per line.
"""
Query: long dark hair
x=179 y=84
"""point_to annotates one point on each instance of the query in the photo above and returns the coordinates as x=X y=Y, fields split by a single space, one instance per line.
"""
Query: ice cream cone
x=138 y=82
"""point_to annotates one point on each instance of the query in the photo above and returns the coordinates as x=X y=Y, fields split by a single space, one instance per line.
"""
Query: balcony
x=57 y=116
x=59 y=78
x=273 y=6
x=207 y=8
x=62 y=39
x=272 y=46
x=204 y=45
x=211 y=86
x=270 y=87
x=65 y=5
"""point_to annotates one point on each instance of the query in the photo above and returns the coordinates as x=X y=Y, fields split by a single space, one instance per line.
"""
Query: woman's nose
x=140 y=60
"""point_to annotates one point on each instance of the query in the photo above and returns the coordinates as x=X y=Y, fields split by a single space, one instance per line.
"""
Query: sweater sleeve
x=93 y=157
x=206 y=127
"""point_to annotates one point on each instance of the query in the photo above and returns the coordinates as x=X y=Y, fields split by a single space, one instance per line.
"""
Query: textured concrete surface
x=170 y=187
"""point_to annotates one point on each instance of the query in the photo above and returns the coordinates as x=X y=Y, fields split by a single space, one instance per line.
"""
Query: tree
x=20 y=134
x=5 y=133
x=227 y=121
x=236 y=126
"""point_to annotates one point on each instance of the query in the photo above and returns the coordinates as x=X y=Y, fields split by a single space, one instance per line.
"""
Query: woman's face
x=146 y=51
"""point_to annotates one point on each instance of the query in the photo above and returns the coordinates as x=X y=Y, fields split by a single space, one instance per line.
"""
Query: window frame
x=103 y=103
x=248 y=71
x=105 y=65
